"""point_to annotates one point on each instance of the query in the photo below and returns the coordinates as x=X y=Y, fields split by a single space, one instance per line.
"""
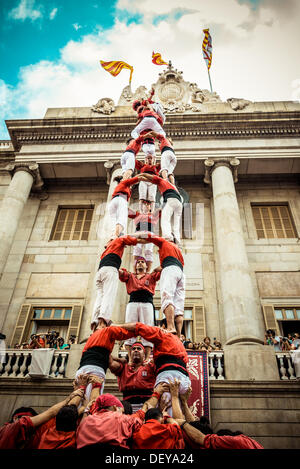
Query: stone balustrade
x=17 y=364
x=285 y=366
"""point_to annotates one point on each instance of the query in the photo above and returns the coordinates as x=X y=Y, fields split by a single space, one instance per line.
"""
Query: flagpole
x=209 y=81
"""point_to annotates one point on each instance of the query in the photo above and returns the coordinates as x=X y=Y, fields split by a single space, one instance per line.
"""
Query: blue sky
x=50 y=50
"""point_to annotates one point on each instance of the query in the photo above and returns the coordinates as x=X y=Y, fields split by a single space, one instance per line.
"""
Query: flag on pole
x=114 y=67
x=207 y=48
x=157 y=60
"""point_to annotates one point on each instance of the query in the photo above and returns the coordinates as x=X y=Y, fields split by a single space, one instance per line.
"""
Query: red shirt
x=163 y=184
x=125 y=187
x=156 y=435
x=130 y=378
x=116 y=246
x=15 y=435
x=145 y=221
x=164 y=343
x=147 y=168
x=164 y=142
x=149 y=113
x=230 y=442
x=108 y=427
x=147 y=282
x=56 y=439
x=135 y=145
x=106 y=337
x=166 y=249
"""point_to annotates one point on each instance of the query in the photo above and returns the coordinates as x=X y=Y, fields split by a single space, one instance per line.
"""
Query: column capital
x=211 y=164
x=29 y=167
x=110 y=166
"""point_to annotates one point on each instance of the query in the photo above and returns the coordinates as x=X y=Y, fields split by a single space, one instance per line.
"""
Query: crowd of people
x=204 y=346
x=51 y=339
x=280 y=343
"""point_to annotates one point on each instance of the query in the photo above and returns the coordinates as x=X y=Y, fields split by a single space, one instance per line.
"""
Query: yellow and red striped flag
x=115 y=66
x=207 y=48
x=157 y=60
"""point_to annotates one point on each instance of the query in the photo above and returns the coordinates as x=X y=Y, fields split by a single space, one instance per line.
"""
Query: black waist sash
x=97 y=356
x=167 y=148
x=148 y=140
x=141 y=296
x=171 y=194
x=130 y=151
x=170 y=260
x=112 y=260
x=173 y=363
x=121 y=194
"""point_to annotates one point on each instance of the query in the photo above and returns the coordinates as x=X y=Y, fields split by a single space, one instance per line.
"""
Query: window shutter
x=270 y=318
x=75 y=322
x=200 y=326
x=22 y=325
x=187 y=221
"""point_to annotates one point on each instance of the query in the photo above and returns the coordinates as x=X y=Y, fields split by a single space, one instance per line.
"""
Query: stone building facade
x=238 y=171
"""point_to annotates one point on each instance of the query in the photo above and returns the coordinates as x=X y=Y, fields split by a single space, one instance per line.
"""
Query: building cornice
x=185 y=126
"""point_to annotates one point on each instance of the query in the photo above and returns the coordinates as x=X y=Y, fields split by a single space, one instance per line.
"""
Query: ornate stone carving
x=203 y=96
x=104 y=106
x=238 y=103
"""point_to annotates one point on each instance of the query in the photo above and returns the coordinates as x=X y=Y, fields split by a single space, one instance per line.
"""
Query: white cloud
x=76 y=26
x=255 y=56
x=26 y=10
x=53 y=13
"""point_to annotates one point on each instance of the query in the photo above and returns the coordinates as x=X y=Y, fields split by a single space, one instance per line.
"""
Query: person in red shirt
x=118 y=206
x=172 y=281
x=141 y=288
x=147 y=190
x=150 y=117
x=18 y=433
x=129 y=156
x=136 y=378
x=107 y=279
x=159 y=431
x=168 y=157
x=95 y=355
x=172 y=208
x=105 y=425
x=227 y=440
x=169 y=354
x=145 y=220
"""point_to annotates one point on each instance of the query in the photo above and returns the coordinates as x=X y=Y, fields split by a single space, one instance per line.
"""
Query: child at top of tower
x=150 y=117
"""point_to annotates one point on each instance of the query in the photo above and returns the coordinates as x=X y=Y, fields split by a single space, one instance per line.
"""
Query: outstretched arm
x=174 y=390
x=193 y=433
x=189 y=417
x=53 y=411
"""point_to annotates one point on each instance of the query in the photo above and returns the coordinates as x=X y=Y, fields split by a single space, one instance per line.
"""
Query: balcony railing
x=285 y=366
x=216 y=365
x=17 y=364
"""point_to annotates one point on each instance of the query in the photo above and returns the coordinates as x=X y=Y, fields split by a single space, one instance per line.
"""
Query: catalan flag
x=207 y=48
x=157 y=60
x=114 y=67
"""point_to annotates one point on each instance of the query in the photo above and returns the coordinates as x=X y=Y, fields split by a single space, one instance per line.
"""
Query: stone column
x=243 y=322
x=23 y=177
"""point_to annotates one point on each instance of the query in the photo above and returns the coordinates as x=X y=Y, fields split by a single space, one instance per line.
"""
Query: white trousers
x=91 y=370
x=149 y=149
x=170 y=375
x=168 y=161
x=172 y=207
x=172 y=289
x=139 y=312
x=118 y=211
x=147 y=191
x=148 y=251
x=127 y=161
x=107 y=281
x=147 y=123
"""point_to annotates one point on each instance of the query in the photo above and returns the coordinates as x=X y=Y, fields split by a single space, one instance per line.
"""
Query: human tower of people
x=154 y=380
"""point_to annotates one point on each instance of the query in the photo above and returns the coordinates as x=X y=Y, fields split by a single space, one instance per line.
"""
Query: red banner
x=198 y=371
